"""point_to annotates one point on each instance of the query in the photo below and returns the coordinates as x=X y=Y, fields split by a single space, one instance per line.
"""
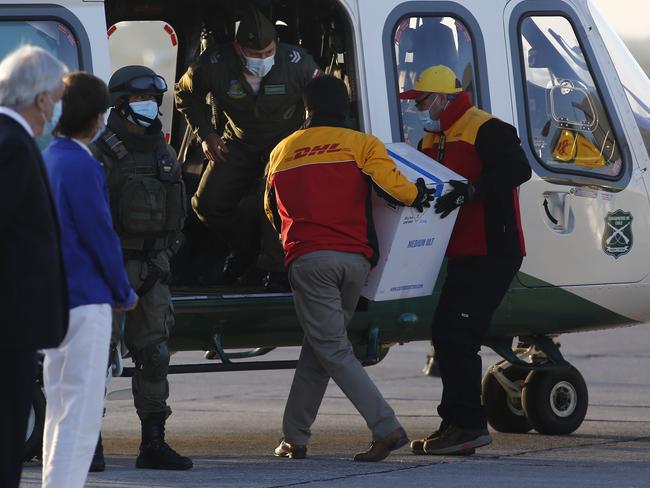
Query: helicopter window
x=157 y=48
x=52 y=35
x=421 y=42
x=570 y=128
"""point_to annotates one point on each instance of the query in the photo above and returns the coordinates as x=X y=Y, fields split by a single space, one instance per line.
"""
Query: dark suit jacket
x=33 y=289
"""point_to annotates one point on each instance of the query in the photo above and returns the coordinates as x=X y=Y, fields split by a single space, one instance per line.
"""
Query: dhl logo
x=312 y=151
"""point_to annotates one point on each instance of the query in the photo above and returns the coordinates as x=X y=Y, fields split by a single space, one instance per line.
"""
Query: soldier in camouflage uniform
x=257 y=83
x=147 y=198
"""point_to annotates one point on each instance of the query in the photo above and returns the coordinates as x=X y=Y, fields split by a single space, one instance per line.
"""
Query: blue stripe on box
x=439 y=183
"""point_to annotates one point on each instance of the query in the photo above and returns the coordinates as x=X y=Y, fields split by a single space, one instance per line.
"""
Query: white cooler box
x=412 y=245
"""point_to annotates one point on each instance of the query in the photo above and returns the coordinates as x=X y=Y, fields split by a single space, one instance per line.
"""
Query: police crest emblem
x=235 y=90
x=617 y=238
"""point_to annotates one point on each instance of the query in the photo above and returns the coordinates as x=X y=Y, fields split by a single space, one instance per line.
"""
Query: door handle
x=558 y=210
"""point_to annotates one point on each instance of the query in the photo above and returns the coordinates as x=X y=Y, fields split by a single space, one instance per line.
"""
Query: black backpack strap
x=113 y=144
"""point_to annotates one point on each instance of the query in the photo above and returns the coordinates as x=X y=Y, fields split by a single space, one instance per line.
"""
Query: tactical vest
x=147 y=193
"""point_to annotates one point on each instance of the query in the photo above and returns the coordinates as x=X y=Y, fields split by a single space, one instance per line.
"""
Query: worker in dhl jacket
x=485 y=250
x=318 y=196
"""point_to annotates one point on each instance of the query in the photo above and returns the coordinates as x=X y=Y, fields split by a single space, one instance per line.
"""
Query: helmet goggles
x=144 y=84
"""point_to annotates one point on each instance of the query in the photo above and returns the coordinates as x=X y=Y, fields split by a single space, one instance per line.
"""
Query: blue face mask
x=57 y=109
x=147 y=109
x=428 y=123
x=260 y=66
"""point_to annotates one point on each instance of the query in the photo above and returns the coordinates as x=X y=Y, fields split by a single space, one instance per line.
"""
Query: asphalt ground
x=229 y=424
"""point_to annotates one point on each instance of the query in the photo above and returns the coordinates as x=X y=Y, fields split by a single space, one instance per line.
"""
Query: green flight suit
x=126 y=157
x=255 y=123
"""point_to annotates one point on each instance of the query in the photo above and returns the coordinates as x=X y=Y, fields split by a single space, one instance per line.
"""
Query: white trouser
x=74 y=377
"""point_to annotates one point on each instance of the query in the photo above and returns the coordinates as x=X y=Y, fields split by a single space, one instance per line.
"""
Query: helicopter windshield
x=635 y=82
x=569 y=124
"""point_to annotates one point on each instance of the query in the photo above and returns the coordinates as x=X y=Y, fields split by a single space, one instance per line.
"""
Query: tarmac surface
x=229 y=423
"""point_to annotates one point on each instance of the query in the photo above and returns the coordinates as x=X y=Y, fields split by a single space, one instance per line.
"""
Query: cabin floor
x=230 y=422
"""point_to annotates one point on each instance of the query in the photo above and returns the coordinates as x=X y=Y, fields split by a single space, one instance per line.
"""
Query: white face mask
x=260 y=66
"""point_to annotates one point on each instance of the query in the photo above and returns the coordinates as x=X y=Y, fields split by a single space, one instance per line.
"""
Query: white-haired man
x=33 y=292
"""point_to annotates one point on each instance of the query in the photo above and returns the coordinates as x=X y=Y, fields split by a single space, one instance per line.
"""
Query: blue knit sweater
x=91 y=250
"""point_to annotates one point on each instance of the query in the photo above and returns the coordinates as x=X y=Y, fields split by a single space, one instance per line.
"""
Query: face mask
x=57 y=109
x=260 y=66
x=427 y=122
x=148 y=110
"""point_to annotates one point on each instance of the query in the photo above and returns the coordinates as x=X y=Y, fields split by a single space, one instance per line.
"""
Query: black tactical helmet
x=136 y=80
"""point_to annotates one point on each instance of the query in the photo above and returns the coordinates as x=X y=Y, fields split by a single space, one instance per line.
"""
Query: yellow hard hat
x=436 y=79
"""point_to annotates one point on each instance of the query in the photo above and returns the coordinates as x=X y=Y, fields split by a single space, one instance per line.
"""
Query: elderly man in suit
x=33 y=292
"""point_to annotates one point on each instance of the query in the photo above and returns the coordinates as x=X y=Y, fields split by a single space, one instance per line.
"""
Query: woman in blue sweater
x=74 y=373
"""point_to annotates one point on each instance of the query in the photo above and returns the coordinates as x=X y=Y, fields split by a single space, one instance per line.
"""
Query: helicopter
x=555 y=69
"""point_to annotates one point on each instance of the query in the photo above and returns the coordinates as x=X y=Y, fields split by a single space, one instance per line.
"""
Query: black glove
x=425 y=195
x=461 y=193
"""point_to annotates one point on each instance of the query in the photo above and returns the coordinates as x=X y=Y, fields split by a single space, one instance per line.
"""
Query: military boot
x=233 y=268
x=155 y=453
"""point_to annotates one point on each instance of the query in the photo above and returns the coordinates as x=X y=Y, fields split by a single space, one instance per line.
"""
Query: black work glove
x=425 y=195
x=461 y=193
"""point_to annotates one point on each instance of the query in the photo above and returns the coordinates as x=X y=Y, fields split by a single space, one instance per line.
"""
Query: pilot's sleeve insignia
x=316 y=73
x=295 y=56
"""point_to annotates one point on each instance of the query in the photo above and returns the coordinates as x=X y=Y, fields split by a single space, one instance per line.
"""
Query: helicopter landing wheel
x=555 y=401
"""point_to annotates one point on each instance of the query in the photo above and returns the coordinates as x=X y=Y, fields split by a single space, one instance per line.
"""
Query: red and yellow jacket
x=487 y=152
x=318 y=182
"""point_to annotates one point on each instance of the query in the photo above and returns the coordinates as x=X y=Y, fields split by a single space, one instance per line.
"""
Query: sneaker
x=457 y=441
x=157 y=454
x=379 y=450
x=417 y=446
x=293 y=451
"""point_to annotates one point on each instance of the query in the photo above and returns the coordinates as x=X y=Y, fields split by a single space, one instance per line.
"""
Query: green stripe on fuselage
x=542 y=308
